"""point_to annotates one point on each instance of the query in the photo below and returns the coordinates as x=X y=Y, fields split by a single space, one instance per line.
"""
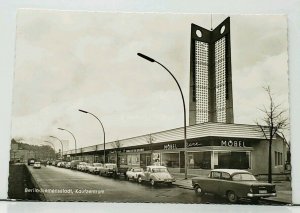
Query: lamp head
x=146 y=57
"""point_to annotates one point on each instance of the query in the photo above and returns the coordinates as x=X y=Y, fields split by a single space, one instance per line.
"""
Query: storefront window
x=123 y=159
x=112 y=158
x=232 y=160
x=133 y=159
x=156 y=158
x=199 y=160
x=170 y=160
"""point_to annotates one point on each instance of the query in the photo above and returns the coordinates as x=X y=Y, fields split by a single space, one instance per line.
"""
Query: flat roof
x=202 y=130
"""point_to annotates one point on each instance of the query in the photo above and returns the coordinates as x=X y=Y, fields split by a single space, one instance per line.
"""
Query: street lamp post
x=80 y=110
x=62 y=146
x=72 y=136
x=184 y=110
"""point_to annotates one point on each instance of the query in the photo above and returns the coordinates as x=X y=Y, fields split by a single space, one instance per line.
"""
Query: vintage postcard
x=150 y=107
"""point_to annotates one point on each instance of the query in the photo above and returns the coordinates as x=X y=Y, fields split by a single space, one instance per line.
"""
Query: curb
x=183 y=187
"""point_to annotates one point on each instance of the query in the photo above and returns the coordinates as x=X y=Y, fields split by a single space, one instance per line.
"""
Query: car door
x=213 y=182
x=224 y=183
x=129 y=173
x=147 y=173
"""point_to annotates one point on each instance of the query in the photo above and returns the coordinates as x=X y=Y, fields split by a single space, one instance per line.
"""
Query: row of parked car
x=152 y=174
x=233 y=184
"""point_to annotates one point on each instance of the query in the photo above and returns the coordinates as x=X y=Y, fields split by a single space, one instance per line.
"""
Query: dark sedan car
x=233 y=184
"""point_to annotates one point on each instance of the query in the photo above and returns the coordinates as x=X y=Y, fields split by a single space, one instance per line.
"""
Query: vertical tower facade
x=210 y=75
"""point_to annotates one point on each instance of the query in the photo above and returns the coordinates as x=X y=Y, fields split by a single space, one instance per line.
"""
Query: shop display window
x=232 y=160
x=199 y=160
x=170 y=160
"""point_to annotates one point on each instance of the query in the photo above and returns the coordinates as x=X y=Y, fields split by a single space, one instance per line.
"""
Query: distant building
x=210 y=75
x=17 y=154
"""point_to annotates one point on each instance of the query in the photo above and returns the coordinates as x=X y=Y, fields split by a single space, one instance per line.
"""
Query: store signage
x=194 y=144
x=170 y=146
x=233 y=143
x=133 y=150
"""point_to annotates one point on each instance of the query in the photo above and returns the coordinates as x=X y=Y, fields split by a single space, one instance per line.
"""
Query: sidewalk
x=283 y=188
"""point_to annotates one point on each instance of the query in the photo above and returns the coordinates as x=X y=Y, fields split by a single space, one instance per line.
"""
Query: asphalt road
x=77 y=183
x=76 y=186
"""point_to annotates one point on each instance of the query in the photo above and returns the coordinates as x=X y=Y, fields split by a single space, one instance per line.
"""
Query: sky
x=67 y=61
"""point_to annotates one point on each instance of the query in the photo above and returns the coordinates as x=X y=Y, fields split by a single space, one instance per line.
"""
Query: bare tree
x=274 y=120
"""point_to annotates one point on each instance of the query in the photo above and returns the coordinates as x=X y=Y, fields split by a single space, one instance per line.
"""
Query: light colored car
x=135 y=174
x=37 y=165
x=68 y=165
x=74 y=164
x=61 y=164
x=95 y=168
x=157 y=174
x=233 y=184
x=81 y=166
x=108 y=169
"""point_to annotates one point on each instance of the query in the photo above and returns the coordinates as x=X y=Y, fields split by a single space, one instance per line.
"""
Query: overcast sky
x=67 y=61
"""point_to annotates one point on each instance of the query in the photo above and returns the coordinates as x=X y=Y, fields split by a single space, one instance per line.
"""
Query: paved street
x=76 y=185
x=113 y=190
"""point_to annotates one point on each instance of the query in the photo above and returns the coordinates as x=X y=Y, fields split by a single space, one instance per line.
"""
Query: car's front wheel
x=232 y=197
x=199 y=191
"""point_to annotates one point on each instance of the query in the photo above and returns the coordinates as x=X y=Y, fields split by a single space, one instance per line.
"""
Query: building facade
x=210 y=146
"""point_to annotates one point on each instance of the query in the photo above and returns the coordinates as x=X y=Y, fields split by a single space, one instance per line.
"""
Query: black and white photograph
x=150 y=108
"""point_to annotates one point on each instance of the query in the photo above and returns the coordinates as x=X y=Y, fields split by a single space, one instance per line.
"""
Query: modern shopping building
x=213 y=140
x=210 y=146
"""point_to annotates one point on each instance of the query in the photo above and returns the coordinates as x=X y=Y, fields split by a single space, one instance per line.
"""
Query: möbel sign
x=233 y=143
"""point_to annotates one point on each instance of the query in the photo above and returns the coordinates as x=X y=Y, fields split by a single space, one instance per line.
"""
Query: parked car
x=37 y=165
x=233 y=184
x=81 y=166
x=94 y=168
x=61 y=164
x=134 y=173
x=86 y=167
x=74 y=164
x=55 y=162
x=68 y=165
x=108 y=169
x=156 y=174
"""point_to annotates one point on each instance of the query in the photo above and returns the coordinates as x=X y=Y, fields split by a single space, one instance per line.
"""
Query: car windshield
x=157 y=170
x=137 y=170
x=243 y=176
x=97 y=164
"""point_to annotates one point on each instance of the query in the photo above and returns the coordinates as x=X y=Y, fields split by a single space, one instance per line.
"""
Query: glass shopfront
x=219 y=160
x=232 y=160
x=170 y=160
x=133 y=159
x=199 y=160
